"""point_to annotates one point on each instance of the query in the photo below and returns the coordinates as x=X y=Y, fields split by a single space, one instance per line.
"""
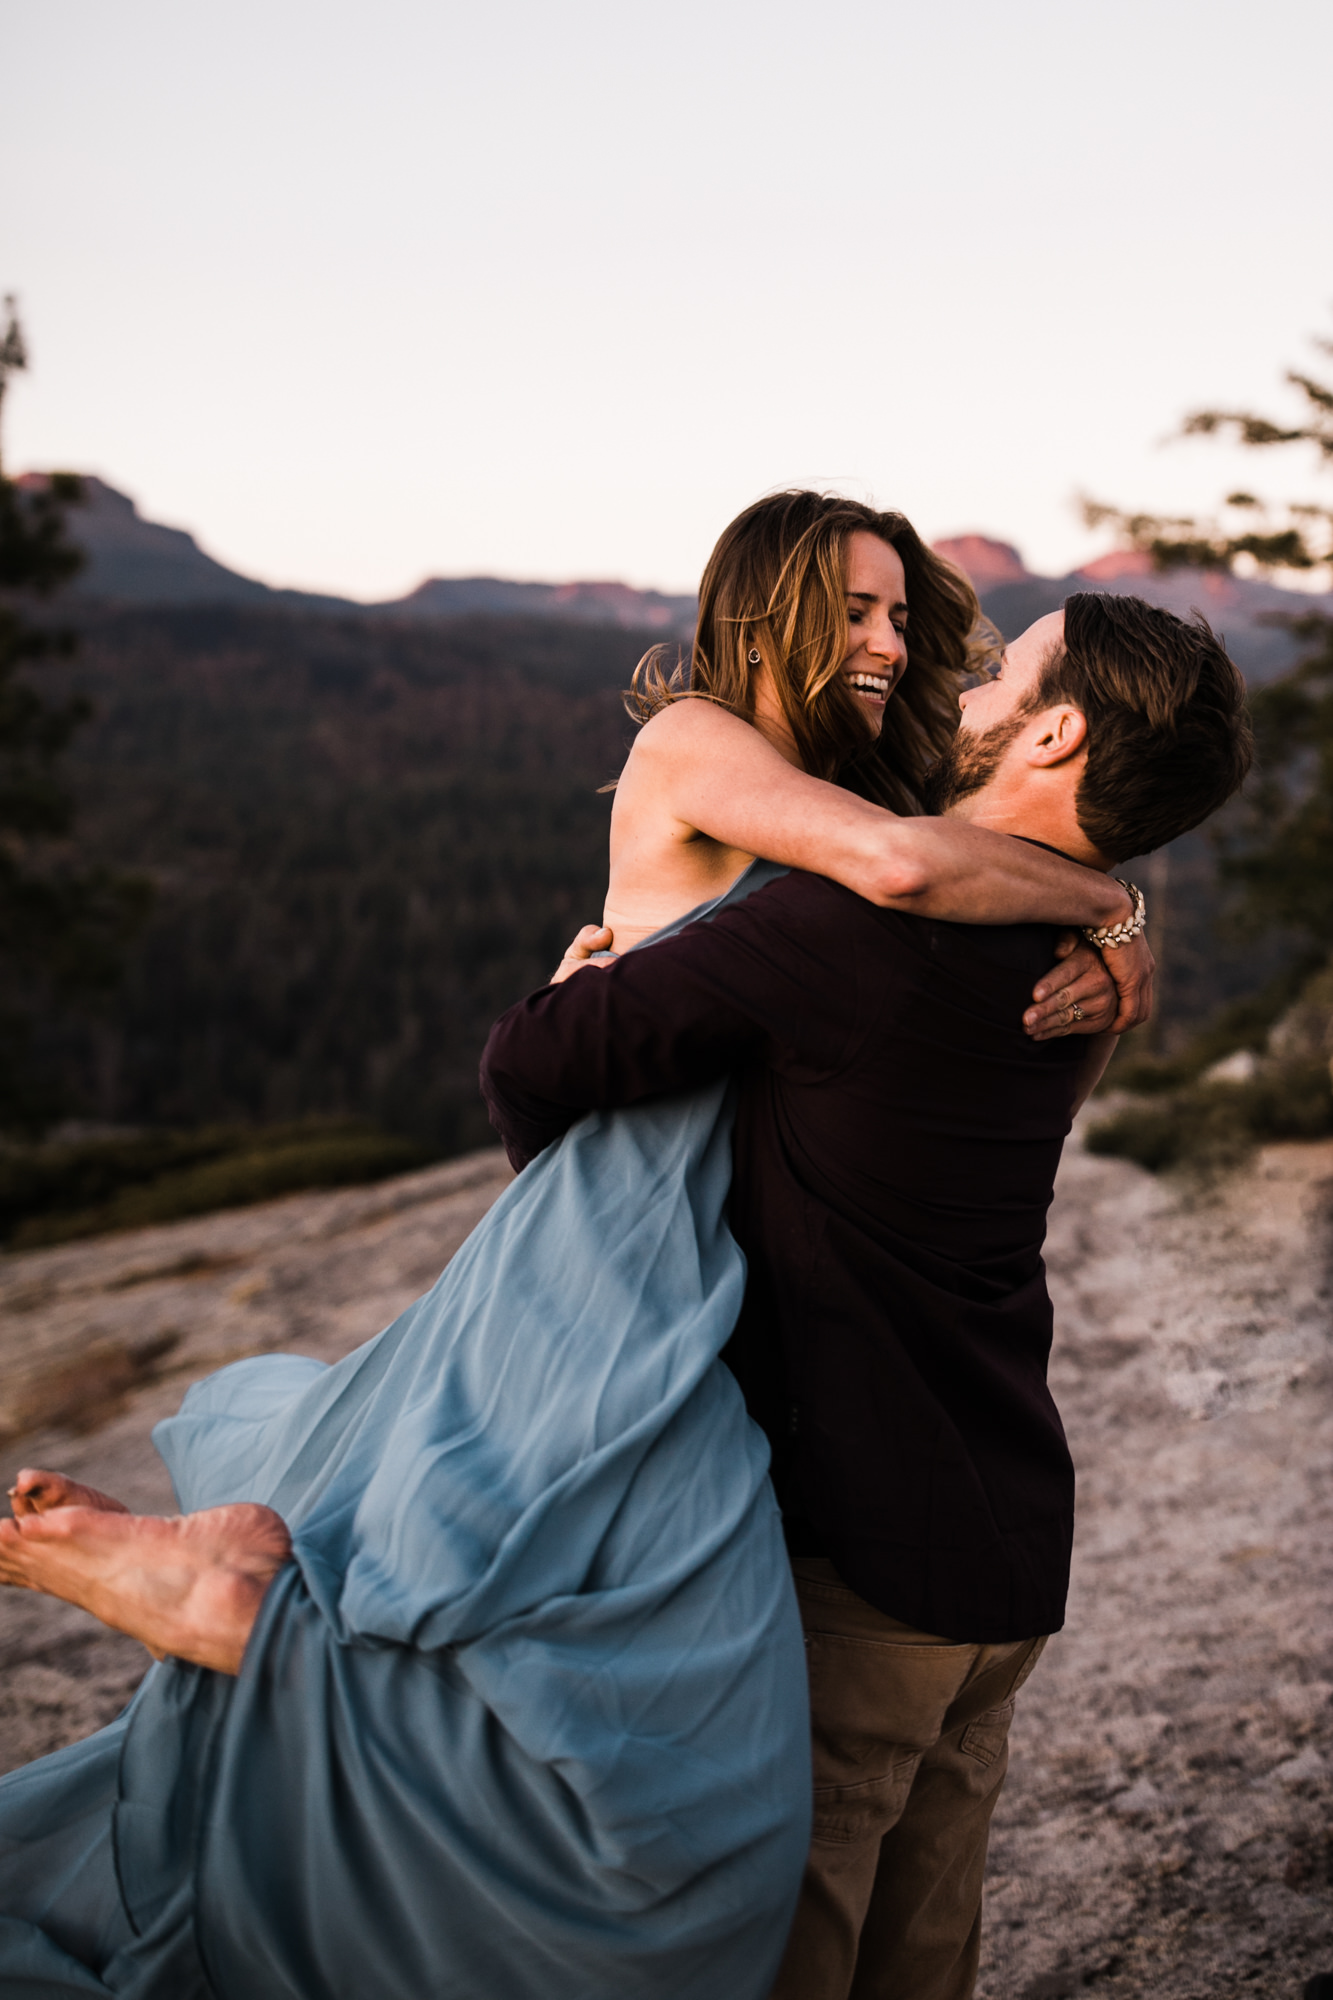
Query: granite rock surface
x=1166 y=1829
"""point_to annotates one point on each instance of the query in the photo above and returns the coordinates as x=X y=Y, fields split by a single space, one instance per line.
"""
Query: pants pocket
x=985 y=1738
x=849 y=1814
x=876 y=1706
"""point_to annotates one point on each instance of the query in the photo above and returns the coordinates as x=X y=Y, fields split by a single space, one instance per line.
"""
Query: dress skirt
x=525 y=1717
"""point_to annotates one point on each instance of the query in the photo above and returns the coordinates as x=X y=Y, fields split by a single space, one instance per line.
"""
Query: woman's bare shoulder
x=689 y=720
x=670 y=748
x=692 y=736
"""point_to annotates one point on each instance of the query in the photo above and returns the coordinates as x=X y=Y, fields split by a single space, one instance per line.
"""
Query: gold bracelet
x=1108 y=937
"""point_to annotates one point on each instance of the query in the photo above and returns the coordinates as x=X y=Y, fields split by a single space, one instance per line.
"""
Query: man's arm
x=1113 y=989
x=672 y=1016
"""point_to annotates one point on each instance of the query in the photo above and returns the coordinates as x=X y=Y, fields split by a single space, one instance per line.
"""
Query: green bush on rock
x=1216 y=1125
x=51 y=1194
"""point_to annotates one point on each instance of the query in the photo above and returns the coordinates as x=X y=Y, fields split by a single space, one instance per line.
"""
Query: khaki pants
x=911 y=1742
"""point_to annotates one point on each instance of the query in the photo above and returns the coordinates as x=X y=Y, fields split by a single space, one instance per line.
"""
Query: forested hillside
x=365 y=841
x=365 y=838
x=369 y=828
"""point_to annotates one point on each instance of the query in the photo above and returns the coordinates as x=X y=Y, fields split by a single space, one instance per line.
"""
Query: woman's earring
x=755 y=657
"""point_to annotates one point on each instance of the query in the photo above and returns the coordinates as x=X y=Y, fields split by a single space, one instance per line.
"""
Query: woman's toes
x=13 y=1556
x=39 y=1492
x=33 y=1492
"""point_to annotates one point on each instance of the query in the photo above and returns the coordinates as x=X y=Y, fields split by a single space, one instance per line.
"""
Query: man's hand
x=593 y=937
x=1078 y=997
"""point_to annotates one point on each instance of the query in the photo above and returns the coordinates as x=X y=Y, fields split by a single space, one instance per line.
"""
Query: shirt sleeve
x=766 y=979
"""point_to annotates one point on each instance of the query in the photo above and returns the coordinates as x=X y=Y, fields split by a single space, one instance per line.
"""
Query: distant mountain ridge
x=585 y=603
x=134 y=561
x=1013 y=596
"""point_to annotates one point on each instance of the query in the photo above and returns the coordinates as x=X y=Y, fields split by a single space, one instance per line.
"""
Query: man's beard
x=969 y=763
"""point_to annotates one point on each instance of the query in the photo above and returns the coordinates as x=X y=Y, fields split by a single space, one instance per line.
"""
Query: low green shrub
x=1245 y=1024
x=1149 y=1135
x=1216 y=1125
x=54 y=1194
x=41 y=1180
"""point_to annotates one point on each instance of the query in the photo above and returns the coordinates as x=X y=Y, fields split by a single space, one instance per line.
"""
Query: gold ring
x=1076 y=1010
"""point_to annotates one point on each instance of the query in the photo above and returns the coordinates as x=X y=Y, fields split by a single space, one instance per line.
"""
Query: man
x=896 y=1144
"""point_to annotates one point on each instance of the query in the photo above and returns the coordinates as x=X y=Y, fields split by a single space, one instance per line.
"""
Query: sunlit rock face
x=1120 y=562
x=1239 y=607
x=983 y=560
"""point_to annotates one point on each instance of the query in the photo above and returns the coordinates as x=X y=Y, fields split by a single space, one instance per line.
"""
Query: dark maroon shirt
x=896 y=1143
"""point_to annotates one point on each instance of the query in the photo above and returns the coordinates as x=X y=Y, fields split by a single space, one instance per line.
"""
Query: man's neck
x=1031 y=815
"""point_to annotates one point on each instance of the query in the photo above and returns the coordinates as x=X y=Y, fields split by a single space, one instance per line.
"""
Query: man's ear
x=1059 y=734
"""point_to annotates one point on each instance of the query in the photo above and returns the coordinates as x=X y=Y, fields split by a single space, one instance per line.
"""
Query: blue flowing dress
x=526 y=1717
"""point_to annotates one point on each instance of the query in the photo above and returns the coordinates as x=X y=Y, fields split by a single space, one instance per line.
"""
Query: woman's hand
x=1132 y=967
x=593 y=937
x=1079 y=997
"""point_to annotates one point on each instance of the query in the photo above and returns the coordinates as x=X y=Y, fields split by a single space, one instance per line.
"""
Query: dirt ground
x=1166 y=1826
x=1166 y=1829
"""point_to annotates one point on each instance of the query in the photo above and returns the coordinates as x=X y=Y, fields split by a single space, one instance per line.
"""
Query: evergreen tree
x=61 y=924
x=1280 y=852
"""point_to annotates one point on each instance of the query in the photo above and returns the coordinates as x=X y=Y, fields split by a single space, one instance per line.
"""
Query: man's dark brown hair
x=1169 y=738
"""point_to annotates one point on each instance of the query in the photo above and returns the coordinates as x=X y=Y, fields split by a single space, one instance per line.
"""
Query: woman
x=804 y=615
x=525 y=1712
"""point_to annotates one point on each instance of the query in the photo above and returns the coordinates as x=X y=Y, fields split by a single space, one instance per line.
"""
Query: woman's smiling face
x=877 y=621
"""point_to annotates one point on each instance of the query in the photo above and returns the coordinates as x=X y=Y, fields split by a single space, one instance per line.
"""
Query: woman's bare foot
x=189 y=1585
x=36 y=1492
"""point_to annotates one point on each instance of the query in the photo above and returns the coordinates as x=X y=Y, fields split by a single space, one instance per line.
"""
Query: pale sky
x=360 y=294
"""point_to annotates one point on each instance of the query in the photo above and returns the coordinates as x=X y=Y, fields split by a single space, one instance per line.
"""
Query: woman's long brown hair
x=777 y=583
